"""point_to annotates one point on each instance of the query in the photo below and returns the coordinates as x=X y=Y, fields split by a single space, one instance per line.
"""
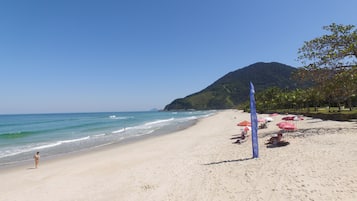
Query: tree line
x=329 y=66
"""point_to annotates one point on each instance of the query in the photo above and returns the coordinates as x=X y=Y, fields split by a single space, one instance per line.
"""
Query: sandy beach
x=201 y=163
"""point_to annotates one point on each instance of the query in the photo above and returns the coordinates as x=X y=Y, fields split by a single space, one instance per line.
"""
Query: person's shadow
x=31 y=168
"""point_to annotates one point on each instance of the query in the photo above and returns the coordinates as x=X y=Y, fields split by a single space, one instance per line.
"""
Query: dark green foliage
x=233 y=88
x=330 y=63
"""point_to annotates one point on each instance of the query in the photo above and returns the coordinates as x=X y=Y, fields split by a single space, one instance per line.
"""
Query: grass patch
x=324 y=113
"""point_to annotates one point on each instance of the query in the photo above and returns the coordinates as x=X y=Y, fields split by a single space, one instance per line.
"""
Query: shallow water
x=54 y=134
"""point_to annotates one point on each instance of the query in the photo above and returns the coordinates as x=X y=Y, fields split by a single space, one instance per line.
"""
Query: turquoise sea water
x=55 y=134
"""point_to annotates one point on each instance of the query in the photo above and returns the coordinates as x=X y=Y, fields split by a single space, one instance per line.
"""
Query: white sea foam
x=122 y=130
x=23 y=149
x=47 y=146
x=60 y=142
x=159 y=121
x=11 y=152
x=119 y=131
x=115 y=117
x=190 y=118
x=99 y=135
x=75 y=140
x=149 y=132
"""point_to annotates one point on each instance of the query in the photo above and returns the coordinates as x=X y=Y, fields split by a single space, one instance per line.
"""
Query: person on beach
x=275 y=139
x=37 y=159
x=242 y=138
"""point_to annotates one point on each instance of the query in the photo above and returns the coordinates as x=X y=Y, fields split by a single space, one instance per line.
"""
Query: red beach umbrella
x=289 y=127
x=244 y=123
x=274 y=114
x=284 y=123
x=286 y=126
x=288 y=118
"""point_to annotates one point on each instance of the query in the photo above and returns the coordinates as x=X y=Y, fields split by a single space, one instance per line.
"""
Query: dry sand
x=201 y=163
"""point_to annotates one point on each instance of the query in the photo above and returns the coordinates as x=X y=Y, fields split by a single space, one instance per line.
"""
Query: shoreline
x=201 y=163
x=123 y=142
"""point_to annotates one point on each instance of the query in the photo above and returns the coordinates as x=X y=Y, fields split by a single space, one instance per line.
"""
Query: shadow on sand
x=31 y=168
x=279 y=144
x=229 y=161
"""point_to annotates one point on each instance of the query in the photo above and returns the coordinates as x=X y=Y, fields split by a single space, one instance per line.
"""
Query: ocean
x=57 y=134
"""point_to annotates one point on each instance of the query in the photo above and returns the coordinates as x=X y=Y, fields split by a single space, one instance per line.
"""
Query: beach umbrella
x=289 y=127
x=286 y=126
x=288 y=118
x=244 y=123
x=283 y=123
x=274 y=114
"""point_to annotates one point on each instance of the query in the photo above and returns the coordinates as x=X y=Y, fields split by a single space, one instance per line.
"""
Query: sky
x=136 y=55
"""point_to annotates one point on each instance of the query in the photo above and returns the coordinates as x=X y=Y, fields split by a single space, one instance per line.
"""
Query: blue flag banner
x=254 y=122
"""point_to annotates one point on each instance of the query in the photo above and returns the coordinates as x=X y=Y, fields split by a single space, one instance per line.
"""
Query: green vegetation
x=299 y=101
x=325 y=85
x=331 y=68
x=233 y=89
x=330 y=63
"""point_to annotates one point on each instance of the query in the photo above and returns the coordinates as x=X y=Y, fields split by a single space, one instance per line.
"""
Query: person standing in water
x=37 y=159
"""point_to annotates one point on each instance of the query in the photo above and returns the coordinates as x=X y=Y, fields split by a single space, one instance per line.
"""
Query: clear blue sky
x=86 y=55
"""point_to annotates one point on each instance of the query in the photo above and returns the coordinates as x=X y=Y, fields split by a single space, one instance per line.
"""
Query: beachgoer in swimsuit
x=37 y=159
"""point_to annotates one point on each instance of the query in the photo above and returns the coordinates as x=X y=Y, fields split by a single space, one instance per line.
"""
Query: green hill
x=233 y=88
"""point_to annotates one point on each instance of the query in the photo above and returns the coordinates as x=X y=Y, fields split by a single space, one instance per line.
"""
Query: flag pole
x=254 y=122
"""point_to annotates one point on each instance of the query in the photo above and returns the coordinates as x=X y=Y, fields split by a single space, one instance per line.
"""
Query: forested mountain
x=233 y=88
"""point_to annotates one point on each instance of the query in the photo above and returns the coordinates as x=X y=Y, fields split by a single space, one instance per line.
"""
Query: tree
x=330 y=62
x=314 y=96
